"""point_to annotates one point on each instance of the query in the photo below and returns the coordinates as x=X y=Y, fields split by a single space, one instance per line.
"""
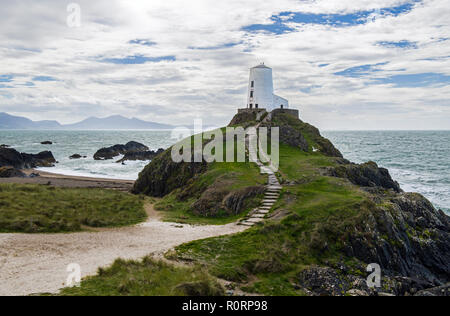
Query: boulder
x=11 y=172
x=141 y=155
x=77 y=156
x=47 y=143
x=11 y=157
x=4 y=146
x=43 y=159
x=117 y=150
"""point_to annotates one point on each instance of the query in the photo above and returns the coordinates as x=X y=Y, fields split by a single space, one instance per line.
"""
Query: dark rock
x=11 y=172
x=219 y=198
x=141 y=155
x=408 y=238
x=367 y=175
x=47 y=143
x=11 y=157
x=324 y=281
x=200 y=288
x=116 y=150
x=162 y=175
x=4 y=146
x=43 y=159
x=235 y=201
x=443 y=290
x=292 y=137
x=75 y=156
x=246 y=118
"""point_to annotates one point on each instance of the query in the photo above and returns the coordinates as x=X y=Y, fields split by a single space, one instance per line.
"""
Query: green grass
x=232 y=177
x=266 y=259
x=147 y=278
x=46 y=209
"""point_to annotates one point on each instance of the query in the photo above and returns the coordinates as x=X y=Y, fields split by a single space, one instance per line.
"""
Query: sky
x=345 y=64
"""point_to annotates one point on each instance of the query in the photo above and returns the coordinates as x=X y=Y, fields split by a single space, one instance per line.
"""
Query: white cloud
x=35 y=41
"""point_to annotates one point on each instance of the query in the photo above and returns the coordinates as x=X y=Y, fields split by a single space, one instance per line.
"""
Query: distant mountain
x=16 y=122
x=115 y=122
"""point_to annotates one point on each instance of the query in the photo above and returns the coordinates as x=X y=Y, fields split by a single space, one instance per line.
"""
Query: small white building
x=260 y=90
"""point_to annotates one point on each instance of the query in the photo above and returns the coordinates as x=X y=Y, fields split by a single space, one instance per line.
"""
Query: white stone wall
x=279 y=102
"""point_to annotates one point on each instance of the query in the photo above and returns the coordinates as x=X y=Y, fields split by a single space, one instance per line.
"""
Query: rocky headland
x=334 y=218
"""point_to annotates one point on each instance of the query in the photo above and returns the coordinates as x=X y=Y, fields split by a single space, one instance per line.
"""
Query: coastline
x=67 y=181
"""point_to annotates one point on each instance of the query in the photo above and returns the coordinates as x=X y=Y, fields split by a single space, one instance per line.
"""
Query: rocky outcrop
x=116 y=150
x=435 y=291
x=11 y=157
x=11 y=172
x=235 y=201
x=407 y=237
x=47 y=143
x=141 y=155
x=77 y=156
x=366 y=175
x=4 y=146
x=162 y=175
x=218 y=198
x=43 y=159
x=247 y=118
x=290 y=136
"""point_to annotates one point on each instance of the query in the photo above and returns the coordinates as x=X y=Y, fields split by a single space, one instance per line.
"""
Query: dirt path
x=37 y=263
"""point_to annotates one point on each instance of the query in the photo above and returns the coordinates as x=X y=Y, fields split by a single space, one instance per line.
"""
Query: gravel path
x=37 y=263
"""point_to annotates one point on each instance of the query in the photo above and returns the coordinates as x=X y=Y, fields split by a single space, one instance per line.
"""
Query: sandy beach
x=37 y=263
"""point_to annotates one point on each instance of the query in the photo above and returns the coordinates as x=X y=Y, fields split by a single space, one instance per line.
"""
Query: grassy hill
x=333 y=218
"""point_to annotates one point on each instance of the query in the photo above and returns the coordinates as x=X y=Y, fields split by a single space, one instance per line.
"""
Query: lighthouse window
x=253 y=84
x=251 y=94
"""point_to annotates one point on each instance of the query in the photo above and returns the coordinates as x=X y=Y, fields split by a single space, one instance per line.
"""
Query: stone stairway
x=272 y=192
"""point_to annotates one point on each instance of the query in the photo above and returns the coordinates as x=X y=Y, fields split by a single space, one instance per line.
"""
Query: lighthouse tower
x=260 y=90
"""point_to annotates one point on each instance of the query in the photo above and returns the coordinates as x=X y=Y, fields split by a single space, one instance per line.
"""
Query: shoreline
x=67 y=181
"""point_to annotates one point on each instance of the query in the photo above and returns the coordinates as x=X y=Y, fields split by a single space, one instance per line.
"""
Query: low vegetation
x=46 y=209
x=313 y=214
x=212 y=187
x=147 y=278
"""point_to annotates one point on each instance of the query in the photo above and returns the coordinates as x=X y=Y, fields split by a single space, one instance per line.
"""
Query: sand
x=37 y=263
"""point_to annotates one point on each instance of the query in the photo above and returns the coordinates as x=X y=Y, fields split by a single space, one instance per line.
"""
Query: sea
x=418 y=160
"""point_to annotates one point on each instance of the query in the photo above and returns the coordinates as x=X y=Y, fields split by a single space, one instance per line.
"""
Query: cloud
x=342 y=63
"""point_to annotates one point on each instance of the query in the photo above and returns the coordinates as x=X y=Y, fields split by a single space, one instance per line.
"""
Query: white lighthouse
x=260 y=90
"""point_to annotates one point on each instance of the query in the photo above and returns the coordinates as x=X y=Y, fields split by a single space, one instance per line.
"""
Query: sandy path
x=37 y=263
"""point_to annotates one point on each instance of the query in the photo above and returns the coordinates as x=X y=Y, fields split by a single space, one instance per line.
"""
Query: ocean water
x=86 y=143
x=418 y=160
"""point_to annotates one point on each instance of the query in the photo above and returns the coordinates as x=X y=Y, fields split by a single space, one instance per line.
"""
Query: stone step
x=254 y=220
x=263 y=212
x=246 y=224
x=274 y=187
x=269 y=201
x=258 y=216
